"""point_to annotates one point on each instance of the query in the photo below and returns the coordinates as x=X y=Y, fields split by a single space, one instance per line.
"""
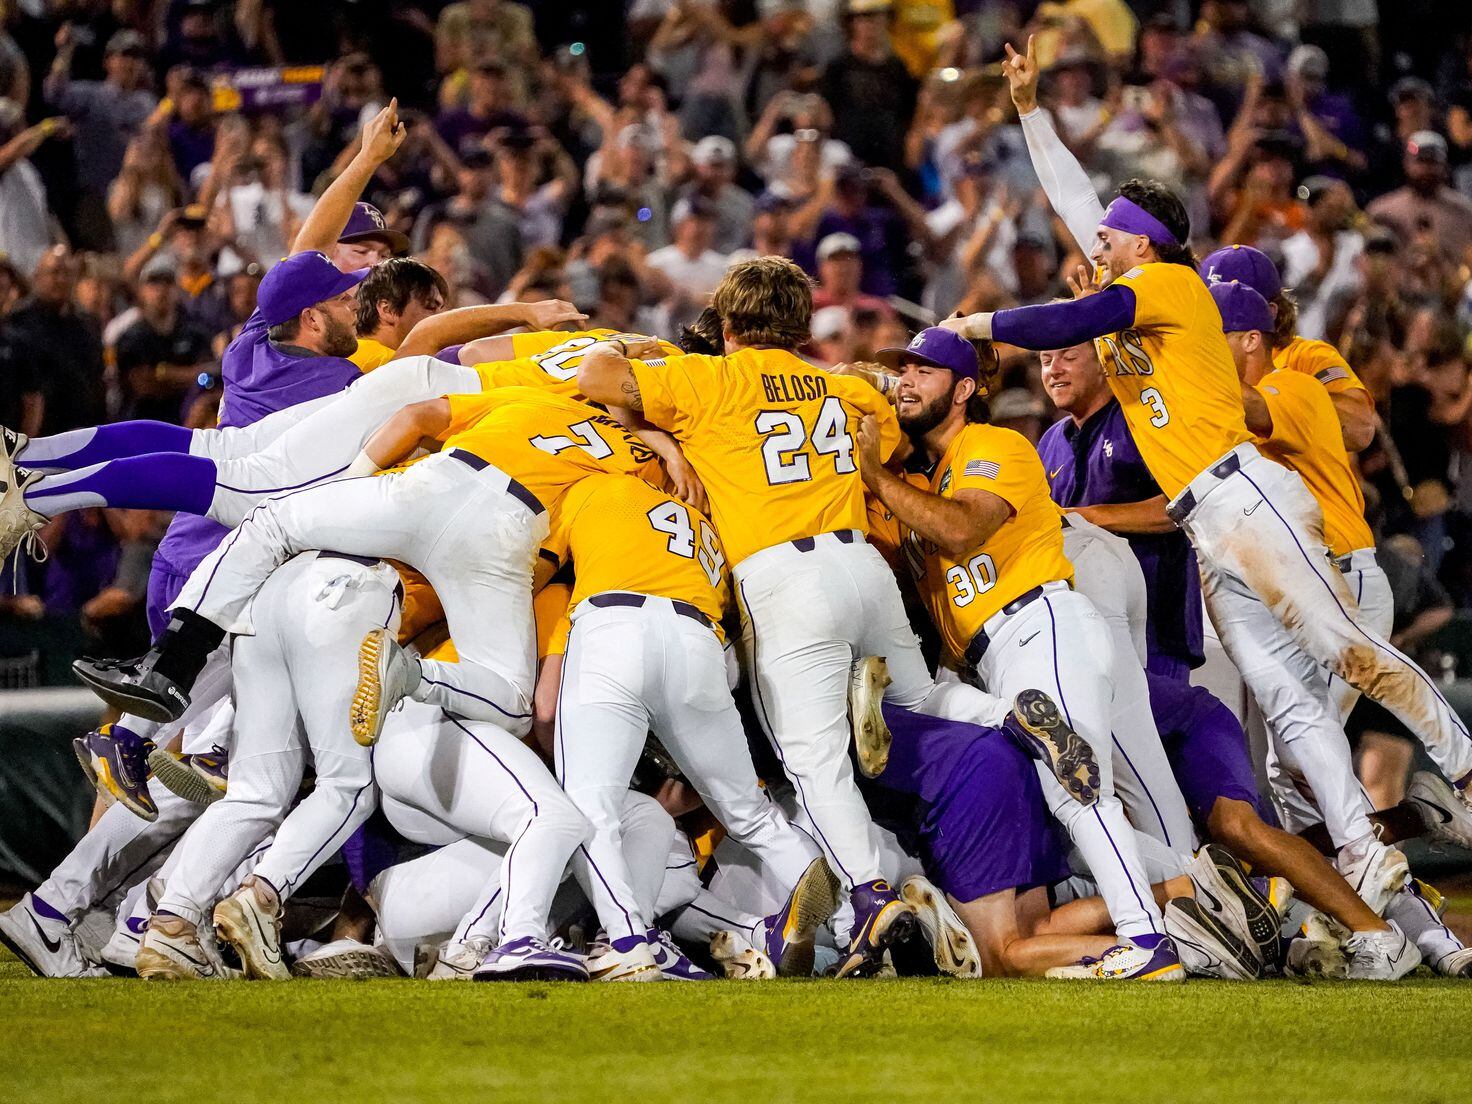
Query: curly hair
x=1165 y=205
x=765 y=301
x=703 y=335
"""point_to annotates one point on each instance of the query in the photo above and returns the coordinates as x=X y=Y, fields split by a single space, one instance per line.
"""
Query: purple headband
x=1127 y=215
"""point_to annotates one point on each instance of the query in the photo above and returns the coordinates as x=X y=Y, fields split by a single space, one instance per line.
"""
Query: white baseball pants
x=1060 y=644
x=643 y=665
x=463 y=526
x=809 y=608
x=1108 y=575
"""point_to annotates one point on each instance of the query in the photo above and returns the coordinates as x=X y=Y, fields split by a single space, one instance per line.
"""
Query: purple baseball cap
x=1246 y=265
x=367 y=221
x=937 y=347
x=300 y=281
x=1242 y=308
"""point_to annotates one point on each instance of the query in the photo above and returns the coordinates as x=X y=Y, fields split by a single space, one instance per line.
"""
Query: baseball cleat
x=880 y=919
x=173 y=950
x=629 y=958
x=1457 y=964
x=1428 y=893
x=531 y=959
x=133 y=686
x=12 y=442
x=199 y=778
x=1126 y=962
x=1037 y=727
x=739 y=960
x=46 y=946
x=1216 y=872
x=1443 y=808
x=386 y=676
x=1374 y=870
x=1317 y=951
x=1381 y=955
x=117 y=762
x=1206 y=946
x=458 y=961
x=792 y=928
x=19 y=524
x=120 y=953
x=867 y=679
x=253 y=928
x=950 y=942
x=673 y=962
x=346 y=959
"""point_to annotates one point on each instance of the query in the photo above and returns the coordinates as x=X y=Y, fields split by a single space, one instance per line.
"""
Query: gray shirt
x=105 y=120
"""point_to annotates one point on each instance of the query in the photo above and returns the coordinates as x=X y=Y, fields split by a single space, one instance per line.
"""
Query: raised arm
x=1068 y=187
x=466 y=324
x=1052 y=325
x=381 y=138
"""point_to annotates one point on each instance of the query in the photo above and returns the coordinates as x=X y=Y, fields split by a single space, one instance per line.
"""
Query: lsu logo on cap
x=917 y=341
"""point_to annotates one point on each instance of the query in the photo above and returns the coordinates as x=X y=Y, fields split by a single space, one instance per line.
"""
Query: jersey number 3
x=785 y=434
x=674 y=519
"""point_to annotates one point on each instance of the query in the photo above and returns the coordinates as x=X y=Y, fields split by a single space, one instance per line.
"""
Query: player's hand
x=869 y=457
x=384 y=133
x=551 y=313
x=965 y=325
x=1082 y=282
x=686 y=485
x=1021 y=71
x=642 y=348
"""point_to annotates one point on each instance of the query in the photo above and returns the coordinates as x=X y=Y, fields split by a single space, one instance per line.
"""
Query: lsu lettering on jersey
x=542 y=361
x=1320 y=360
x=961 y=592
x=544 y=441
x=772 y=438
x=625 y=534
x=1306 y=437
x=1173 y=374
x=371 y=354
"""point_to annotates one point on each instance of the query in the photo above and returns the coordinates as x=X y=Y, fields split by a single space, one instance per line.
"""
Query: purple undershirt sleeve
x=1059 y=325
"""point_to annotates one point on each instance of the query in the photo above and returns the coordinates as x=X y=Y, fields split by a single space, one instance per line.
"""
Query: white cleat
x=346 y=959
x=1374 y=870
x=1206 y=946
x=253 y=927
x=173 y=950
x=386 y=676
x=1444 y=808
x=1457 y=964
x=1381 y=955
x=635 y=962
x=739 y=960
x=952 y=945
x=19 y=524
x=49 y=948
x=867 y=679
x=1224 y=892
x=1126 y=962
x=120 y=953
x=459 y=961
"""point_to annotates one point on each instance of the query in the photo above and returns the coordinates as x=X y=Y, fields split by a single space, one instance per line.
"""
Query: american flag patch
x=1329 y=375
x=985 y=469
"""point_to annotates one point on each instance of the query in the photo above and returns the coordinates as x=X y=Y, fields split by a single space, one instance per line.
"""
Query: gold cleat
x=866 y=682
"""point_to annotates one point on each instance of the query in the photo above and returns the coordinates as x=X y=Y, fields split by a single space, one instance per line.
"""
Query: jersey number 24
x=785 y=435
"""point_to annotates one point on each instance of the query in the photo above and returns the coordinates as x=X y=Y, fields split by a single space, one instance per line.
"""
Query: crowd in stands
x=157 y=156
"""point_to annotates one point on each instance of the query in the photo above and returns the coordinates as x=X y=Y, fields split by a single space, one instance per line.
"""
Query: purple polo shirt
x=1097 y=464
x=259 y=377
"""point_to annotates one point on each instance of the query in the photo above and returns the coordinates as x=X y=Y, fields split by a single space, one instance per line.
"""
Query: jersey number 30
x=674 y=519
x=786 y=435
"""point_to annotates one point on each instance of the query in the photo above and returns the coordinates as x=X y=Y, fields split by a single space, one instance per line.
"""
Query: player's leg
x=420 y=901
x=1366 y=581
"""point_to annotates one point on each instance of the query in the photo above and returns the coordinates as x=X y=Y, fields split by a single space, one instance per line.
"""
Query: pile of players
x=501 y=586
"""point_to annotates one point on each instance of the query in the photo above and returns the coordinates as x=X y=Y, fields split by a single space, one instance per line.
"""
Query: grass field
x=402 y=1041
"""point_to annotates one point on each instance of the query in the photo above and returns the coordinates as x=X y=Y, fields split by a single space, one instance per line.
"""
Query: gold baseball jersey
x=542 y=361
x=544 y=441
x=1306 y=437
x=371 y=354
x=1174 y=376
x=1320 y=360
x=961 y=592
x=623 y=533
x=772 y=439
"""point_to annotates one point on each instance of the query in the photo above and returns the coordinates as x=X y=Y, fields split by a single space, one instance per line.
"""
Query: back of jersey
x=772 y=438
x=626 y=534
x=550 y=359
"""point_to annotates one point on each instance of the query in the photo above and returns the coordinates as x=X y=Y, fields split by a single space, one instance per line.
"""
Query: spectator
x=699 y=49
x=1319 y=262
x=160 y=357
x=789 y=146
x=771 y=233
x=872 y=85
x=106 y=116
x=472 y=31
x=633 y=169
x=200 y=39
x=265 y=213
x=1413 y=105
x=1326 y=121
x=863 y=203
x=63 y=342
x=25 y=225
x=488 y=92
x=691 y=265
x=973 y=234
x=192 y=128
x=146 y=189
x=1425 y=202
x=488 y=231
x=535 y=180
x=1232 y=51
x=841 y=276
x=15 y=71
x=714 y=160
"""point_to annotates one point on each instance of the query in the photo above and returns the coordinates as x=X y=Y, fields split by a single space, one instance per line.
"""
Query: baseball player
x=772 y=440
x=985 y=545
x=1249 y=519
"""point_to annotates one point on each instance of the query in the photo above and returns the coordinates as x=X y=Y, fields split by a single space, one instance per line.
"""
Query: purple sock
x=158 y=481
x=43 y=909
x=81 y=448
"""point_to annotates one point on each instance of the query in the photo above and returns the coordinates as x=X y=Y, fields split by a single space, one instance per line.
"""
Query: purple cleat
x=880 y=918
x=116 y=761
x=672 y=962
x=531 y=959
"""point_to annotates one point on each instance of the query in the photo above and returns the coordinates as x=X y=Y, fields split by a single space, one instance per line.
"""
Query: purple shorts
x=164 y=585
x=1206 y=747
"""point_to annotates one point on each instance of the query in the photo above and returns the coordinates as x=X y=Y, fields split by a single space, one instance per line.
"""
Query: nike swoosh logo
x=52 y=945
x=1027 y=640
x=1216 y=905
x=1249 y=511
x=1446 y=817
x=1052 y=475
